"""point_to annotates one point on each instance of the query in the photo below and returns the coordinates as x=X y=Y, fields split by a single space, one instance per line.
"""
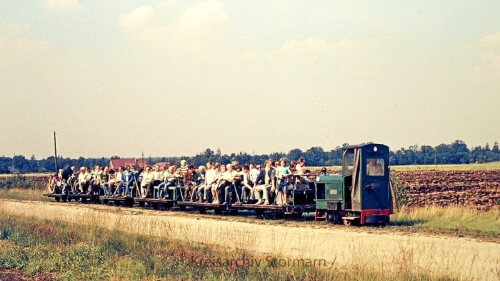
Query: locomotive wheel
x=347 y=222
x=332 y=217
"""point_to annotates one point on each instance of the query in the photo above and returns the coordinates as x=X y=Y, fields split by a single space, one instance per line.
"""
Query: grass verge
x=462 y=221
x=24 y=194
x=74 y=252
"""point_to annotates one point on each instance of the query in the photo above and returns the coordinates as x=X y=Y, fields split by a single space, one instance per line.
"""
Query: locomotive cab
x=361 y=193
x=365 y=172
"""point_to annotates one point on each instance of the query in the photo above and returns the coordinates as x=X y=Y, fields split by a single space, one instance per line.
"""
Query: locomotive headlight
x=317 y=178
x=375 y=149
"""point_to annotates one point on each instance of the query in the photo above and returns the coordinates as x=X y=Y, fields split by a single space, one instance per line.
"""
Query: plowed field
x=469 y=188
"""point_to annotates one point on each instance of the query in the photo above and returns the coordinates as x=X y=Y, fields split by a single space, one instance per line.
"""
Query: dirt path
x=466 y=258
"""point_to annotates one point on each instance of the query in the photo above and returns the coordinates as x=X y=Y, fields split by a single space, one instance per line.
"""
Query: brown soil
x=442 y=188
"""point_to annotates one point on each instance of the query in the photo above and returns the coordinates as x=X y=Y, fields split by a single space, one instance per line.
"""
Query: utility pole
x=55 y=153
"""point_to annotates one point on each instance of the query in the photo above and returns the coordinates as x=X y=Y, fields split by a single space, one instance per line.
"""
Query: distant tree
x=315 y=156
x=426 y=154
x=295 y=154
x=459 y=153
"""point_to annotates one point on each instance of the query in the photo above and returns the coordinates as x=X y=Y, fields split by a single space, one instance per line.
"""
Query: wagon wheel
x=279 y=215
x=57 y=199
x=218 y=211
x=234 y=212
x=203 y=211
x=155 y=206
x=141 y=204
x=182 y=207
x=259 y=213
x=347 y=222
x=298 y=215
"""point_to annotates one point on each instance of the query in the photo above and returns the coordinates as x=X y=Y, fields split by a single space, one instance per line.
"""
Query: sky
x=172 y=78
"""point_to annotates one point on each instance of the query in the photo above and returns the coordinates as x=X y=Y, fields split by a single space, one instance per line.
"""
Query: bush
x=400 y=192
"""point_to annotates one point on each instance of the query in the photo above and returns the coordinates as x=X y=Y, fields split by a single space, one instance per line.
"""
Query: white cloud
x=489 y=56
x=62 y=4
x=208 y=13
x=139 y=17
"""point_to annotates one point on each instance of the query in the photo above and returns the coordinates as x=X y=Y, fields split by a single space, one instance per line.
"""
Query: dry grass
x=453 y=218
x=80 y=252
x=384 y=256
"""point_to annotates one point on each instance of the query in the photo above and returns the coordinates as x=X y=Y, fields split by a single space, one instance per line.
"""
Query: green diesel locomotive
x=361 y=194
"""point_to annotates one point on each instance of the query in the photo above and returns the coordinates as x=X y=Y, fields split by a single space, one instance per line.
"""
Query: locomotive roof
x=362 y=145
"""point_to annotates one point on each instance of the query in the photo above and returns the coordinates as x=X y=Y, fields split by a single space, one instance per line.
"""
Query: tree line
x=456 y=152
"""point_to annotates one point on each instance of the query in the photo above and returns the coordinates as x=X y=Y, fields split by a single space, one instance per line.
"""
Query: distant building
x=122 y=162
x=163 y=164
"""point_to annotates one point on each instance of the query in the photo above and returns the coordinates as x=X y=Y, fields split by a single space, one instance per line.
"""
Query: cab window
x=375 y=167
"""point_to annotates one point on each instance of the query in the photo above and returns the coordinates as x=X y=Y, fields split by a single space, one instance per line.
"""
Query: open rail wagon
x=361 y=194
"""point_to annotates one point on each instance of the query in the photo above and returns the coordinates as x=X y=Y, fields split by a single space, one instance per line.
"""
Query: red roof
x=122 y=162
x=163 y=164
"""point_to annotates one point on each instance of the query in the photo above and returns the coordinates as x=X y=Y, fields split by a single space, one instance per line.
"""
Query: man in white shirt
x=83 y=180
x=228 y=177
x=147 y=182
x=210 y=179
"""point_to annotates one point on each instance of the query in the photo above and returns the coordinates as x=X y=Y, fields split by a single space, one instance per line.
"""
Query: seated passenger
x=168 y=181
x=216 y=188
x=247 y=192
x=147 y=183
x=95 y=180
x=199 y=183
x=301 y=181
x=189 y=183
x=73 y=179
x=127 y=180
x=265 y=183
x=83 y=180
x=228 y=178
x=52 y=185
x=115 y=180
x=205 y=190
x=105 y=177
x=157 y=179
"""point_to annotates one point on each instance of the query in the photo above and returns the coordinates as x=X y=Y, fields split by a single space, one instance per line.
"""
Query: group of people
x=213 y=183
